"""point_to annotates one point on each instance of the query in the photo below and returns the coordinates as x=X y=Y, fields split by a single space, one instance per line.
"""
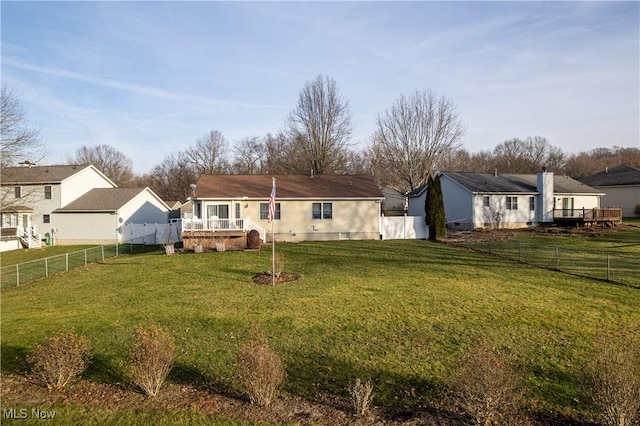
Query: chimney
x=544 y=201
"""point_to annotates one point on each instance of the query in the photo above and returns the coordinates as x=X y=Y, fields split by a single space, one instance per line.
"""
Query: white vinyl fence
x=152 y=233
x=403 y=227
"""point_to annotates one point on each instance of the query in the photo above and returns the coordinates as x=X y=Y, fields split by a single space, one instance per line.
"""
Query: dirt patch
x=265 y=278
x=20 y=391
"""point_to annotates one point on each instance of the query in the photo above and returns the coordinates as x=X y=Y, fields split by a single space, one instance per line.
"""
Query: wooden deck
x=588 y=217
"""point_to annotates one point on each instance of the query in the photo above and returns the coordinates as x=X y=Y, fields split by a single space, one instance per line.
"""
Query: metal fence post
x=66 y=261
x=116 y=249
x=519 y=251
x=102 y=253
x=46 y=267
x=85 y=257
x=608 y=268
x=557 y=258
x=17 y=275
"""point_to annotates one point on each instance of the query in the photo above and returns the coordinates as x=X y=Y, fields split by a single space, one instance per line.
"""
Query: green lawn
x=399 y=312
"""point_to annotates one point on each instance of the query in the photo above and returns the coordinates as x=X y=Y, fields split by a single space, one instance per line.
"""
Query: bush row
x=484 y=385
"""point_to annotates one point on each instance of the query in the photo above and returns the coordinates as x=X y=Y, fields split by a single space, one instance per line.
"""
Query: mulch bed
x=265 y=278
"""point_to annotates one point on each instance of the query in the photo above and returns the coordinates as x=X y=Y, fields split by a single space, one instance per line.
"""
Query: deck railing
x=600 y=215
x=212 y=224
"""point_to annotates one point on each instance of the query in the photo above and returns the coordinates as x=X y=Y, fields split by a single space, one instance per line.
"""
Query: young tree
x=319 y=127
x=434 y=209
x=412 y=135
x=113 y=163
x=19 y=140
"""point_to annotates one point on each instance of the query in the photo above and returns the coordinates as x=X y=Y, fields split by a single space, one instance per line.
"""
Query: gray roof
x=510 y=183
x=620 y=175
x=516 y=183
x=101 y=200
x=39 y=174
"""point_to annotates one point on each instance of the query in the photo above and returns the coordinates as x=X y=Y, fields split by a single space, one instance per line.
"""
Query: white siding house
x=31 y=193
x=98 y=216
x=480 y=200
x=621 y=186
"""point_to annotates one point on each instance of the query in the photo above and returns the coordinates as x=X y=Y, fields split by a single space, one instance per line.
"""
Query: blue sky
x=149 y=78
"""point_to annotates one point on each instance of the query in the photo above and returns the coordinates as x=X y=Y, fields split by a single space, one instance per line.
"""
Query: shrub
x=614 y=374
x=60 y=359
x=261 y=369
x=151 y=358
x=361 y=396
x=485 y=386
x=637 y=209
x=278 y=264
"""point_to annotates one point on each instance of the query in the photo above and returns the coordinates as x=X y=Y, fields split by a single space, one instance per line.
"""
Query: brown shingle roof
x=39 y=174
x=102 y=200
x=287 y=186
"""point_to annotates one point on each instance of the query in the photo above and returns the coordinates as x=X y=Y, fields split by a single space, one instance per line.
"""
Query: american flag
x=272 y=203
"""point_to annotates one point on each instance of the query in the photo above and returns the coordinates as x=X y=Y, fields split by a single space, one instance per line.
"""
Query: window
x=17 y=192
x=485 y=201
x=264 y=211
x=46 y=218
x=322 y=210
x=47 y=192
x=512 y=203
x=237 y=210
x=532 y=203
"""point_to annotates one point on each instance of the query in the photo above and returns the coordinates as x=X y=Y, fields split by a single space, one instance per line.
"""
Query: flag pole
x=273 y=255
x=272 y=216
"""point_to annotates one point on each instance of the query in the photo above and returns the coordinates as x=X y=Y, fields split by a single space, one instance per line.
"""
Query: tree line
x=418 y=135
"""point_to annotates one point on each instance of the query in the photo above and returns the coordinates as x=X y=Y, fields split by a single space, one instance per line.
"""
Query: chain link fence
x=609 y=266
x=14 y=275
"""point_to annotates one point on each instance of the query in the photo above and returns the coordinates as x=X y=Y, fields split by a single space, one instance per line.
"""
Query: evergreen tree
x=434 y=208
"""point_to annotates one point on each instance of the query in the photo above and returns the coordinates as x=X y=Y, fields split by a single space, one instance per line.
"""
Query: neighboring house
x=98 y=216
x=481 y=200
x=175 y=208
x=621 y=186
x=29 y=195
x=394 y=202
x=321 y=207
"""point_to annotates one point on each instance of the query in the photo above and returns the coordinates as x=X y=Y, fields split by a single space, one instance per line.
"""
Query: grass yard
x=398 y=312
x=13 y=257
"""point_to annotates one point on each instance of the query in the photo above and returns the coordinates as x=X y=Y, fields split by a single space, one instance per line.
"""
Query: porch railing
x=212 y=224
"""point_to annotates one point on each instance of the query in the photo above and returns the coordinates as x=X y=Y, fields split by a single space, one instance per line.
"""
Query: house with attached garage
x=483 y=200
x=621 y=186
x=321 y=207
x=101 y=215
x=30 y=194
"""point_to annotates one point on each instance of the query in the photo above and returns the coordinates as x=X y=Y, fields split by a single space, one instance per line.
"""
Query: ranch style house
x=483 y=200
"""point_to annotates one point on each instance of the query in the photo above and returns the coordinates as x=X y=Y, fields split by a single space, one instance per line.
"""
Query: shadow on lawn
x=14 y=359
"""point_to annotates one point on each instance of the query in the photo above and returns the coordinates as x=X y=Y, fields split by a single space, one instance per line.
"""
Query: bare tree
x=172 y=178
x=412 y=135
x=250 y=156
x=319 y=127
x=209 y=154
x=527 y=155
x=113 y=163
x=19 y=140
